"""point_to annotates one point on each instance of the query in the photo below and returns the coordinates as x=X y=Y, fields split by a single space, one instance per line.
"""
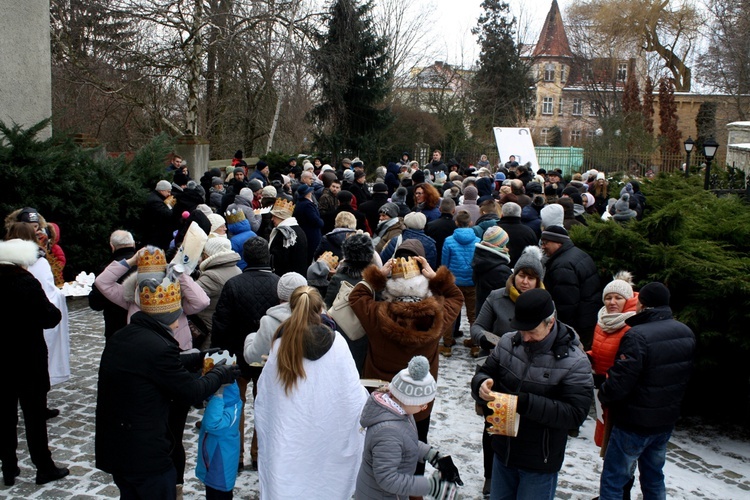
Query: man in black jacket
x=115 y=317
x=157 y=216
x=644 y=390
x=543 y=366
x=519 y=235
x=371 y=208
x=442 y=227
x=141 y=371
x=244 y=300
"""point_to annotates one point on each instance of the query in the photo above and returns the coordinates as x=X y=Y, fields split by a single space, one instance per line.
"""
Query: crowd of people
x=312 y=284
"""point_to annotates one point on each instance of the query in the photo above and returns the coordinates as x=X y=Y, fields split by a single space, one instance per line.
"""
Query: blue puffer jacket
x=458 y=253
x=219 y=440
x=241 y=233
x=430 y=250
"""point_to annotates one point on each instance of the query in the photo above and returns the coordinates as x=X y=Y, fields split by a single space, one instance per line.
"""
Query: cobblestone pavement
x=702 y=463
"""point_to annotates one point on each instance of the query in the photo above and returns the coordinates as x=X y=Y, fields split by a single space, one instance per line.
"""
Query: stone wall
x=25 y=64
x=738 y=150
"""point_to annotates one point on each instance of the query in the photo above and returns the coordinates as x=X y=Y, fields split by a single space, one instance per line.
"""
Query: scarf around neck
x=612 y=322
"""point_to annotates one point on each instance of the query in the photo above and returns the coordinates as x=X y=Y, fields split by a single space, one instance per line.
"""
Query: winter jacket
x=490 y=271
x=484 y=222
x=115 y=317
x=288 y=253
x=242 y=203
x=519 y=237
x=140 y=373
x=605 y=344
x=219 y=440
x=651 y=372
x=391 y=453
x=398 y=331
x=215 y=197
x=471 y=207
x=458 y=254
x=308 y=218
x=495 y=315
x=386 y=231
x=430 y=250
x=371 y=208
x=360 y=192
x=258 y=175
x=391 y=177
x=241 y=232
x=215 y=272
x=331 y=242
x=244 y=300
x=553 y=381
x=157 y=221
x=530 y=218
x=430 y=213
x=194 y=299
x=343 y=273
x=439 y=229
x=572 y=280
x=258 y=344
x=330 y=219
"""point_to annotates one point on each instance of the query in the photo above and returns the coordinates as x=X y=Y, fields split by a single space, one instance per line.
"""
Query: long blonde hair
x=306 y=304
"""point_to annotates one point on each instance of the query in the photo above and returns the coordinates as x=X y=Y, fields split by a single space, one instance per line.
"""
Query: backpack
x=347 y=322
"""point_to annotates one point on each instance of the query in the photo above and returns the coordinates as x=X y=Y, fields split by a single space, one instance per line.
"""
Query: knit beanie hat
x=622 y=205
x=216 y=246
x=552 y=215
x=358 y=248
x=654 y=294
x=511 y=209
x=622 y=285
x=414 y=385
x=471 y=193
x=379 y=187
x=215 y=181
x=246 y=193
x=389 y=209
x=495 y=236
x=163 y=186
x=255 y=185
x=269 y=192
x=238 y=170
x=349 y=175
x=288 y=283
x=359 y=174
x=531 y=258
x=418 y=177
x=533 y=187
x=216 y=221
x=555 y=233
x=399 y=196
x=415 y=220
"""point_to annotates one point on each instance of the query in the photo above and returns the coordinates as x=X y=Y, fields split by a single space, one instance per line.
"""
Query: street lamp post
x=689 y=145
x=709 y=151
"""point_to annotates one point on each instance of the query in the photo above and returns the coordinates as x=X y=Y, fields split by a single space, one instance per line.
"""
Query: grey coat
x=215 y=272
x=497 y=312
x=259 y=343
x=391 y=453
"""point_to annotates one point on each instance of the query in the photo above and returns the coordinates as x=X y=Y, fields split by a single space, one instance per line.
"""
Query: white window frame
x=575 y=136
x=548 y=105
x=577 y=106
x=560 y=106
x=549 y=72
x=622 y=72
x=544 y=135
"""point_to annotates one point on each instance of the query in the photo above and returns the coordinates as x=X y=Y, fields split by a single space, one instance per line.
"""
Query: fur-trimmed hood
x=18 y=252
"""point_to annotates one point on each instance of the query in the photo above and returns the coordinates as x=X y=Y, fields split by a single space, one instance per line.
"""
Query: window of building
x=560 y=106
x=562 y=74
x=622 y=71
x=577 y=107
x=589 y=134
x=593 y=108
x=549 y=72
x=545 y=136
x=575 y=136
x=547 y=105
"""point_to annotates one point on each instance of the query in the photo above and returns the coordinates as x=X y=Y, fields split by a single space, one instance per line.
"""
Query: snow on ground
x=702 y=461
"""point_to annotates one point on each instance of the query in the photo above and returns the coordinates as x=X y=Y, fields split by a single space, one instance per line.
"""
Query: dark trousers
x=423 y=427
x=34 y=405
x=151 y=487
x=178 y=413
x=213 y=494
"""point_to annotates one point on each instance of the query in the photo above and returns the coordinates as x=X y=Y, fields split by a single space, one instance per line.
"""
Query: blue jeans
x=623 y=450
x=510 y=483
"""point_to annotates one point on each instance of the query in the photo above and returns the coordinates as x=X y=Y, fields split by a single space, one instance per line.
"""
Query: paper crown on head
x=406 y=268
x=152 y=260
x=235 y=215
x=282 y=209
x=160 y=298
x=213 y=359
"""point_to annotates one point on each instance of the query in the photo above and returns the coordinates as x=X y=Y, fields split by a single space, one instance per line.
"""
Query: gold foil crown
x=213 y=359
x=165 y=299
x=235 y=215
x=405 y=268
x=152 y=262
x=282 y=209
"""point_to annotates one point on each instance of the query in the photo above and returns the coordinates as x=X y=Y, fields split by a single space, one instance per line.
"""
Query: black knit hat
x=358 y=249
x=654 y=294
x=555 y=233
x=532 y=307
x=417 y=177
x=379 y=187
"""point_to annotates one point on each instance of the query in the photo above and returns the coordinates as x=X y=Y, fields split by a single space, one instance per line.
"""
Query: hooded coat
x=490 y=271
x=241 y=232
x=215 y=272
x=218 y=441
x=430 y=251
x=458 y=254
x=398 y=331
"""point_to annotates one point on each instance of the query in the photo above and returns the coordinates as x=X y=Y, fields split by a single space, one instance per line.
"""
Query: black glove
x=448 y=471
x=486 y=344
x=227 y=373
x=441 y=490
x=192 y=360
x=599 y=380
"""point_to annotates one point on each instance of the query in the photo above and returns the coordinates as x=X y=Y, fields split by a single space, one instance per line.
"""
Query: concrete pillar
x=25 y=63
x=194 y=150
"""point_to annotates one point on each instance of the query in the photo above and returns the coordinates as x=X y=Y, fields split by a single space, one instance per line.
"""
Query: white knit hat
x=216 y=221
x=217 y=245
x=622 y=285
x=288 y=283
x=552 y=215
x=414 y=385
x=163 y=186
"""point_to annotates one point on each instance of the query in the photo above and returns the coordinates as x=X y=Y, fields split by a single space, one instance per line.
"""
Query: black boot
x=51 y=413
x=10 y=474
x=47 y=476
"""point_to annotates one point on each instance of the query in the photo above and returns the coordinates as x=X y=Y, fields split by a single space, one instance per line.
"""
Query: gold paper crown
x=405 y=268
x=282 y=208
x=213 y=359
x=235 y=215
x=330 y=259
x=155 y=262
x=165 y=299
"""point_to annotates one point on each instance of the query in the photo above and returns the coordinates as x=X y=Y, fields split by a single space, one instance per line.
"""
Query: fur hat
x=552 y=215
x=600 y=176
x=555 y=233
x=622 y=285
x=163 y=186
x=356 y=162
x=18 y=252
x=531 y=258
x=345 y=219
x=216 y=221
x=415 y=220
x=358 y=248
x=654 y=294
x=414 y=385
x=215 y=246
x=288 y=283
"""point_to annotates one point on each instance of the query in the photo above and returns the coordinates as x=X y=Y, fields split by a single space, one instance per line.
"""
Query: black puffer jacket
x=519 y=236
x=157 y=221
x=490 y=272
x=140 y=373
x=555 y=387
x=243 y=301
x=648 y=380
x=573 y=282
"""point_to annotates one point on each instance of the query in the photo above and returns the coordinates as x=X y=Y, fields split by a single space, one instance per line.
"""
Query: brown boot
x=446 y=351
x=468 y=343
x=474 y=351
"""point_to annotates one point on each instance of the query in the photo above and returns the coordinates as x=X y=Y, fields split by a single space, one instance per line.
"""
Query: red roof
x=553 y=42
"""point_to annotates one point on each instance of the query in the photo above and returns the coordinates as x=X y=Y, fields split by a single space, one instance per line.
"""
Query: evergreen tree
x=669 y=134
x=350 y=67
x=631 y=101
x=500 y=89
x=705 y=124
x=648 y=105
